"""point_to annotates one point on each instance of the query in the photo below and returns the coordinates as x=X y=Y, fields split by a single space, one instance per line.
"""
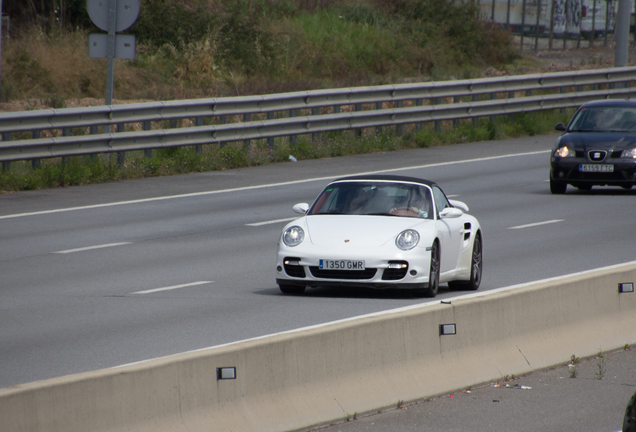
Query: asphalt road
x=109 y=274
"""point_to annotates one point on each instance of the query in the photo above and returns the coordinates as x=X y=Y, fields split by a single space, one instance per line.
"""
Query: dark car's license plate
x=596 y=168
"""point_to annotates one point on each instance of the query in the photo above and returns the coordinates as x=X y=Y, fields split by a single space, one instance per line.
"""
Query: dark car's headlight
x=293 y=236
x=564 y=151
x=629 y=154
x=407 y=239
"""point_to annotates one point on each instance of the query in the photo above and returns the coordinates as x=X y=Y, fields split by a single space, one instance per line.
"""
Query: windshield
x=605 y=119
x=375 y=198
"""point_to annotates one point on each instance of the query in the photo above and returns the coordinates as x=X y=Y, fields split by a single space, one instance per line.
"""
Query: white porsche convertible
x=381 y=231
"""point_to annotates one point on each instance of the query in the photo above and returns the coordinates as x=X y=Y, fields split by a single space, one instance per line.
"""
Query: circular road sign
x=127 y=13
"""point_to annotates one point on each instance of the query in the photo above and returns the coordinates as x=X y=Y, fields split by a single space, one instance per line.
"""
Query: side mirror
x=459 y=204
x=300 y=208
x=560 y=127
x=450 y=212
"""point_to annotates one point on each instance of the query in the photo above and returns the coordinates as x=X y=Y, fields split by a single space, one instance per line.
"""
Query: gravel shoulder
x=590 y=395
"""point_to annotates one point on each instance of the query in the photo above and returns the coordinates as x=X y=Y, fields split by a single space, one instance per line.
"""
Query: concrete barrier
x=318 y=374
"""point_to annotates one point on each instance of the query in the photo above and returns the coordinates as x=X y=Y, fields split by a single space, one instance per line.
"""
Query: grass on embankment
x=104 y=168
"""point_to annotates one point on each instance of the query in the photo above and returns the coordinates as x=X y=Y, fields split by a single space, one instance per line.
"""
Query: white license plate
x=341 y=264
x=596 y=168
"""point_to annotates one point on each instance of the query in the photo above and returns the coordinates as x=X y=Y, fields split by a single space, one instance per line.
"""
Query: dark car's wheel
x=292 y=289
x=476 y=267
x=557 y=187
x=433 y=276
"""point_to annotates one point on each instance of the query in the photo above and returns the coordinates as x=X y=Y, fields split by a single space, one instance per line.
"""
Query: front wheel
x=476 y=267
x=292 y=289
x=433 y=276
x=557 y=187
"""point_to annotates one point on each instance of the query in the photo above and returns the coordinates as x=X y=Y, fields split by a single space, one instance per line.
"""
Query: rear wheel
x=476 y=267
x=292 y=289
x=557 y=187
x=433 y=276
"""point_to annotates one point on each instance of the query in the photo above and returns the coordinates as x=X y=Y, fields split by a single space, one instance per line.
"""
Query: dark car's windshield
x=375 y=198
x=604 y=119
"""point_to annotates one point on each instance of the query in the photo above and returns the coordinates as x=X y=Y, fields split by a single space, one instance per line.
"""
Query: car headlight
x=407 y=239
x=293 y=236
x=565 y=151
x=631 y=153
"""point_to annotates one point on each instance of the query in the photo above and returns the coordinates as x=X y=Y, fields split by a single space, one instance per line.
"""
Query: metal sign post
x=110 y=72
x=621 y=51
x=112 y=16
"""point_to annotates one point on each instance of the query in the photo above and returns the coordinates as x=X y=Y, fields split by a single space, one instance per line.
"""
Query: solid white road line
x=174 y=287
x=271 y=185
x=272 y=221
x=91 y=248
x=536 y=224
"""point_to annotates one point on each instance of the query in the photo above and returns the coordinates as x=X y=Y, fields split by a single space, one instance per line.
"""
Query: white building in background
x=571 y=17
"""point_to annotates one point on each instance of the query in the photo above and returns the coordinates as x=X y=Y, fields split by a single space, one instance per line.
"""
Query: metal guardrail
x=292 y=125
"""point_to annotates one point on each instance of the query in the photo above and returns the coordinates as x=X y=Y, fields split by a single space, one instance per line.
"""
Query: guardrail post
x=438 y=124
x=475 y=98
x=93 y=131
x=493 y=96
x=358 y=107
x=511 y=95
x=246 y=118
x=456 y=120
x=378 y=129
x=270 y=140
x=222 y=120
x=398 y=128
x=314 y=135
x=292 y=138
x=35 y=163
x=562 y=90
x=418 y=126
x=147 y=125
x=66 y=159
x=121 y=156
x=198 y=148
x=6 y=165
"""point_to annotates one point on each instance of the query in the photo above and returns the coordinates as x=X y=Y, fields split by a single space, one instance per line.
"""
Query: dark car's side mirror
x=560 y=127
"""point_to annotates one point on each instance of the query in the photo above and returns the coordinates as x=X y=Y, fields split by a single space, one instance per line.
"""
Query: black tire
x=629 y=421
x=557 y=187
x=433 y=275
x=584 y=187
x=476 y=268
x=292 y=289
x=628 y=187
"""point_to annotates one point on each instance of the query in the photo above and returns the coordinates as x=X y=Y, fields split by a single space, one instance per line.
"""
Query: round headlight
x=407 y=239
x=293 y=236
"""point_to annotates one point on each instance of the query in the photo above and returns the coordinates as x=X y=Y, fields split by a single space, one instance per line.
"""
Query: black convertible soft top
x=396 y=178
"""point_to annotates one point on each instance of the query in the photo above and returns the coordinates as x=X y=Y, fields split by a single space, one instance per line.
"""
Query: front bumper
x=408 y=270
x=568 y=171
